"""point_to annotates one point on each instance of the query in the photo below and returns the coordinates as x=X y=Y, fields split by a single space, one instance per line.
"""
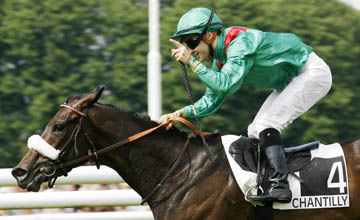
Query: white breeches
x=281 y=108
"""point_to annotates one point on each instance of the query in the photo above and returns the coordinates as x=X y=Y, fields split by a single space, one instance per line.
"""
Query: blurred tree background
x=52 y=49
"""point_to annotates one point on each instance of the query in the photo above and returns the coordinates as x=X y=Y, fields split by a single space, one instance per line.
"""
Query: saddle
x=248 y=154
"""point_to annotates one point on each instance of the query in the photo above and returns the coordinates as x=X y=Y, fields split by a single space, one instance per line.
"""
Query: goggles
x=192 y=41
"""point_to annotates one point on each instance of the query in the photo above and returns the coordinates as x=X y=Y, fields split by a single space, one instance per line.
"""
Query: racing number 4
x=341 y=184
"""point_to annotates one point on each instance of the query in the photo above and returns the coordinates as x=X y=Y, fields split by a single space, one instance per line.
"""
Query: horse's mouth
x=33 y=187
x=34 y=184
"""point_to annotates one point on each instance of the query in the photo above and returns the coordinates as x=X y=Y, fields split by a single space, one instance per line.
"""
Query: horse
x=170 y=169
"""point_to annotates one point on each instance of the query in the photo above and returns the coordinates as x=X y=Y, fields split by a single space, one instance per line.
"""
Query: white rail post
x=154 y=62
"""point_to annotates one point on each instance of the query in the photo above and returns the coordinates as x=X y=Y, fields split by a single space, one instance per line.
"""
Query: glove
x=167 y=118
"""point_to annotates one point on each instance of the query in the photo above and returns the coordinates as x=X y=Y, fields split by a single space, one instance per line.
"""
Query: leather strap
x=73 y=110
x=125 y=141
x=190 y=125
x=177 y=119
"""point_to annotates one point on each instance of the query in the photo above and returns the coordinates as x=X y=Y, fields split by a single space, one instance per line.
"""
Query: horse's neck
x=144 y=162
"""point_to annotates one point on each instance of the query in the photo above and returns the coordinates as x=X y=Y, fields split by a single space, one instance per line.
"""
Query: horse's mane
x=141 y=117
x=71 y=98
x=146 y=121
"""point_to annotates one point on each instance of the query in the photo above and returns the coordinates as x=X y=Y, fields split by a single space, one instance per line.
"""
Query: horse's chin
x=33 y=187
x=34 y=184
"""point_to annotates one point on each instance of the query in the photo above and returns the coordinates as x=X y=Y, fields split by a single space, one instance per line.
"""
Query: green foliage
x=328 y=26
x=52 y=49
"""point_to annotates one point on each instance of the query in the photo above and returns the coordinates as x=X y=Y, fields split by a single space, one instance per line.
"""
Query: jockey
x=241 y=55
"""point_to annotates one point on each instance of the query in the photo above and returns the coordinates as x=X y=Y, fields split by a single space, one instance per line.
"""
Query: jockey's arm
x=220 y=84
x=206 y=105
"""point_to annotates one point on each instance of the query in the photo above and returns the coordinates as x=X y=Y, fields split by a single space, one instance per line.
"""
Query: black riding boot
x=279 y=191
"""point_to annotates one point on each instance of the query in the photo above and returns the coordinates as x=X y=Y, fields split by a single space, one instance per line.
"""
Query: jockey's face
x=202 y=51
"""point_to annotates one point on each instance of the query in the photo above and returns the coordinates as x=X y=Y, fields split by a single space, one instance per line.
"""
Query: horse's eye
x=59 y=127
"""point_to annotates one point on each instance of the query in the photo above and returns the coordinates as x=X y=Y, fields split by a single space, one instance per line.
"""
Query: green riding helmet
x=195 y=21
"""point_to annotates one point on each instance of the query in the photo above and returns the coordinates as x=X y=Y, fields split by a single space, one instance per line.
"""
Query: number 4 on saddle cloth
x=317 y=173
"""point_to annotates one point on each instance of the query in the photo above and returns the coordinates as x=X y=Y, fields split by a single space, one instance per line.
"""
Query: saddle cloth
x=323 y=176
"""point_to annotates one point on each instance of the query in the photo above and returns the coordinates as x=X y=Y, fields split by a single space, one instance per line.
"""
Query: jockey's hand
x=181 y=53
x=167 y=118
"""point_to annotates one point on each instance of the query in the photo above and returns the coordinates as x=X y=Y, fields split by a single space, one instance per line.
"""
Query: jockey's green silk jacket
x=247 y=56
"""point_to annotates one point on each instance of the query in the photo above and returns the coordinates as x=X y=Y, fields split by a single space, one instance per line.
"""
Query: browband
x=73 y=109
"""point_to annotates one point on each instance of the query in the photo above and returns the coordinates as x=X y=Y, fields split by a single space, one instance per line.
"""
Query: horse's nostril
x=18 y=172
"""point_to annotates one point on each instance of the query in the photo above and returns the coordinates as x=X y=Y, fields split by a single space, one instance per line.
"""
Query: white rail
x=79 y=175
x=142 y=215
x=64 y=199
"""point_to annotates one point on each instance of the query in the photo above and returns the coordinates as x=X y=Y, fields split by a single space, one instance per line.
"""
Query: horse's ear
x=90 y=98
x=98 y=91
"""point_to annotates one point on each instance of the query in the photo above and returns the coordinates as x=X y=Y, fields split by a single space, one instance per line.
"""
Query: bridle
x=49 y=168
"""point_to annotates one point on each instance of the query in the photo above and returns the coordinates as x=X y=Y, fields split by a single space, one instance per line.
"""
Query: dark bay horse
x=194 y=189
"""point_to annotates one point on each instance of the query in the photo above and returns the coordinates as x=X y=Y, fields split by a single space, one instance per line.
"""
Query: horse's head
x=57 y=144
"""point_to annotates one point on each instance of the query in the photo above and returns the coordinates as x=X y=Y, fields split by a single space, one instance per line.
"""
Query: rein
x=188 y=88
x=132 y=138
x=187 y=85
